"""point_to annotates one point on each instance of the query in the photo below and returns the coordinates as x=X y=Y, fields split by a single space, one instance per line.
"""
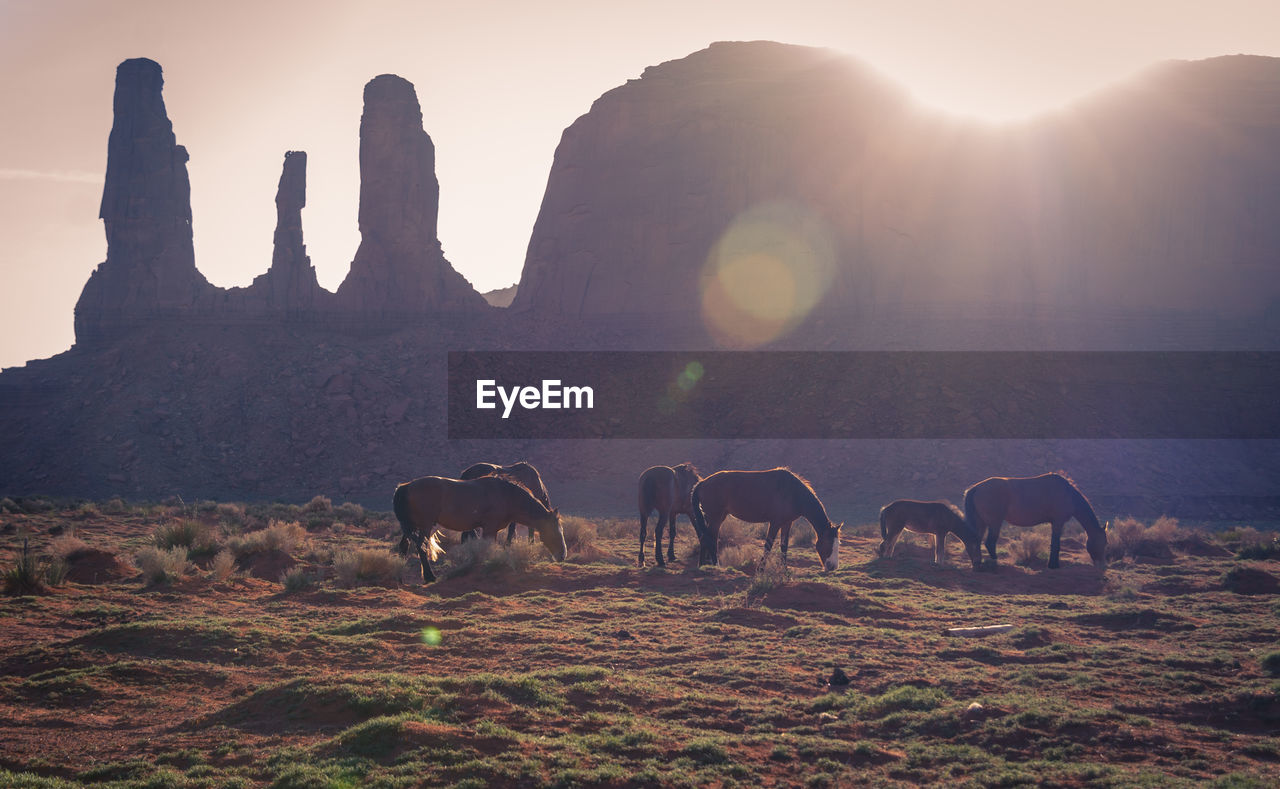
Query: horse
x=670 y=492
x=1029 y=501
x=521 y=472
x=486 y=503
x=776 y=497
x=935 y=518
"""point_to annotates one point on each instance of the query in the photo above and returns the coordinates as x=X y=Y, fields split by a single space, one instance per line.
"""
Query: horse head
x=829 y=548
x=552 y=534
x=1096 y=545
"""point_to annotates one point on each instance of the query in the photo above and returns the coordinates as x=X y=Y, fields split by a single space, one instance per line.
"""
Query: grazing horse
x=521 y=472
x=670 y=492
x=1029 y=501
x=776 y=497
x=935 y=518
x=486 y=503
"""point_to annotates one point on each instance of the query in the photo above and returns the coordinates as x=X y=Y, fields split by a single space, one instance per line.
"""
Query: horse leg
x=993 y=534
x=786 y=541
x=1055 y=543
x=511 y=533
x=671 y=537
x=710 y=550
x=940 y=548
x=657 y=537
x=644 y=529
x=769 y=537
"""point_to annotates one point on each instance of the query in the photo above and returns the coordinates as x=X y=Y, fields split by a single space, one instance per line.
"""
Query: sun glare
x=765 y=274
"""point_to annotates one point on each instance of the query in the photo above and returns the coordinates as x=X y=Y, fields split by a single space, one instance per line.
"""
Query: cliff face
x=146 y=209
x=399 y=266
x=1157 y=195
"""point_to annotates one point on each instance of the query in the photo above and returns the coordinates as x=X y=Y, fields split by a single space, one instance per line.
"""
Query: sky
x=498 y=83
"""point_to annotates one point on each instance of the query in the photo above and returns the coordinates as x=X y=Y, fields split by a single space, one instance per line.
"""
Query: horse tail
x=400 y=506
x=884 y=523
x=971 y=512
x=698 y=517
x=648 y=494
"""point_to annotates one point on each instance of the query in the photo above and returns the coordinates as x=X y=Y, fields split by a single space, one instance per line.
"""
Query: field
x=214 y=645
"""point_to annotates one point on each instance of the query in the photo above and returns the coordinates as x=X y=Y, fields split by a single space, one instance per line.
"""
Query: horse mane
x=523 y=488
x=688 y=467
x=808 y=493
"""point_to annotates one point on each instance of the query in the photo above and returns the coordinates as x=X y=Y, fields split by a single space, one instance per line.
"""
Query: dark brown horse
x=670 y=492
x=521 y=472
x=776 y=497
x=1030 y=501
x=935 y=518
x=487 y=503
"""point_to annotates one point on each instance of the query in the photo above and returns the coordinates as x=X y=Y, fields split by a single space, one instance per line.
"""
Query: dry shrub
x=579 y=533
x=297 y=580
x=278 y=536
x=768 y=576
x=367 y=567
x=161 y=565
x=30 y=575
x=115 y=506
x=318 y=504
x=231 y=514
x=615 y=528
x=198 y=539
x=489 y=556
x=1030 y=547
x=1132 y=538
x=349 y=513
x=65 y=545
x=223 y=565
x=803 y=535
x=744 y=557
x=861 y=530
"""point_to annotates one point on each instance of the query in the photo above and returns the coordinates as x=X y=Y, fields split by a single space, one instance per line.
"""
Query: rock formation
x=146 y=208
x=1158 y=195
x=290 y=284
x=399 y=266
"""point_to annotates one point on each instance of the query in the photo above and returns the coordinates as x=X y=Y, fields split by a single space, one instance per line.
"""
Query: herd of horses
x=487 y=498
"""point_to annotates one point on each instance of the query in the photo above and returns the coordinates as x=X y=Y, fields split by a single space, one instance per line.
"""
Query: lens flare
x=765 y=275
x=431 y=636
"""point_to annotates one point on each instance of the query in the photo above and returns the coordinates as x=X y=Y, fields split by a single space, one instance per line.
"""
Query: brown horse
x=521 y=472
x=486 y=503
x=776 y=497
x=670 y=492
x=1029 y=501
x=935 y=518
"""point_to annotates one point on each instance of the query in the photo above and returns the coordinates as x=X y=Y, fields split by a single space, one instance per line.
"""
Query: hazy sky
x=498 y=83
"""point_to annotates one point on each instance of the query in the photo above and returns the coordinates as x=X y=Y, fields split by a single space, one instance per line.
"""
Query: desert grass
x=490 y=556
x=367 y=567
x=278 y=536
x=223 y=565
x=64 y=545
x=196 y=537
x=160 y=565
x=1131 y=538
x=31 y=574
x=299 y=580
